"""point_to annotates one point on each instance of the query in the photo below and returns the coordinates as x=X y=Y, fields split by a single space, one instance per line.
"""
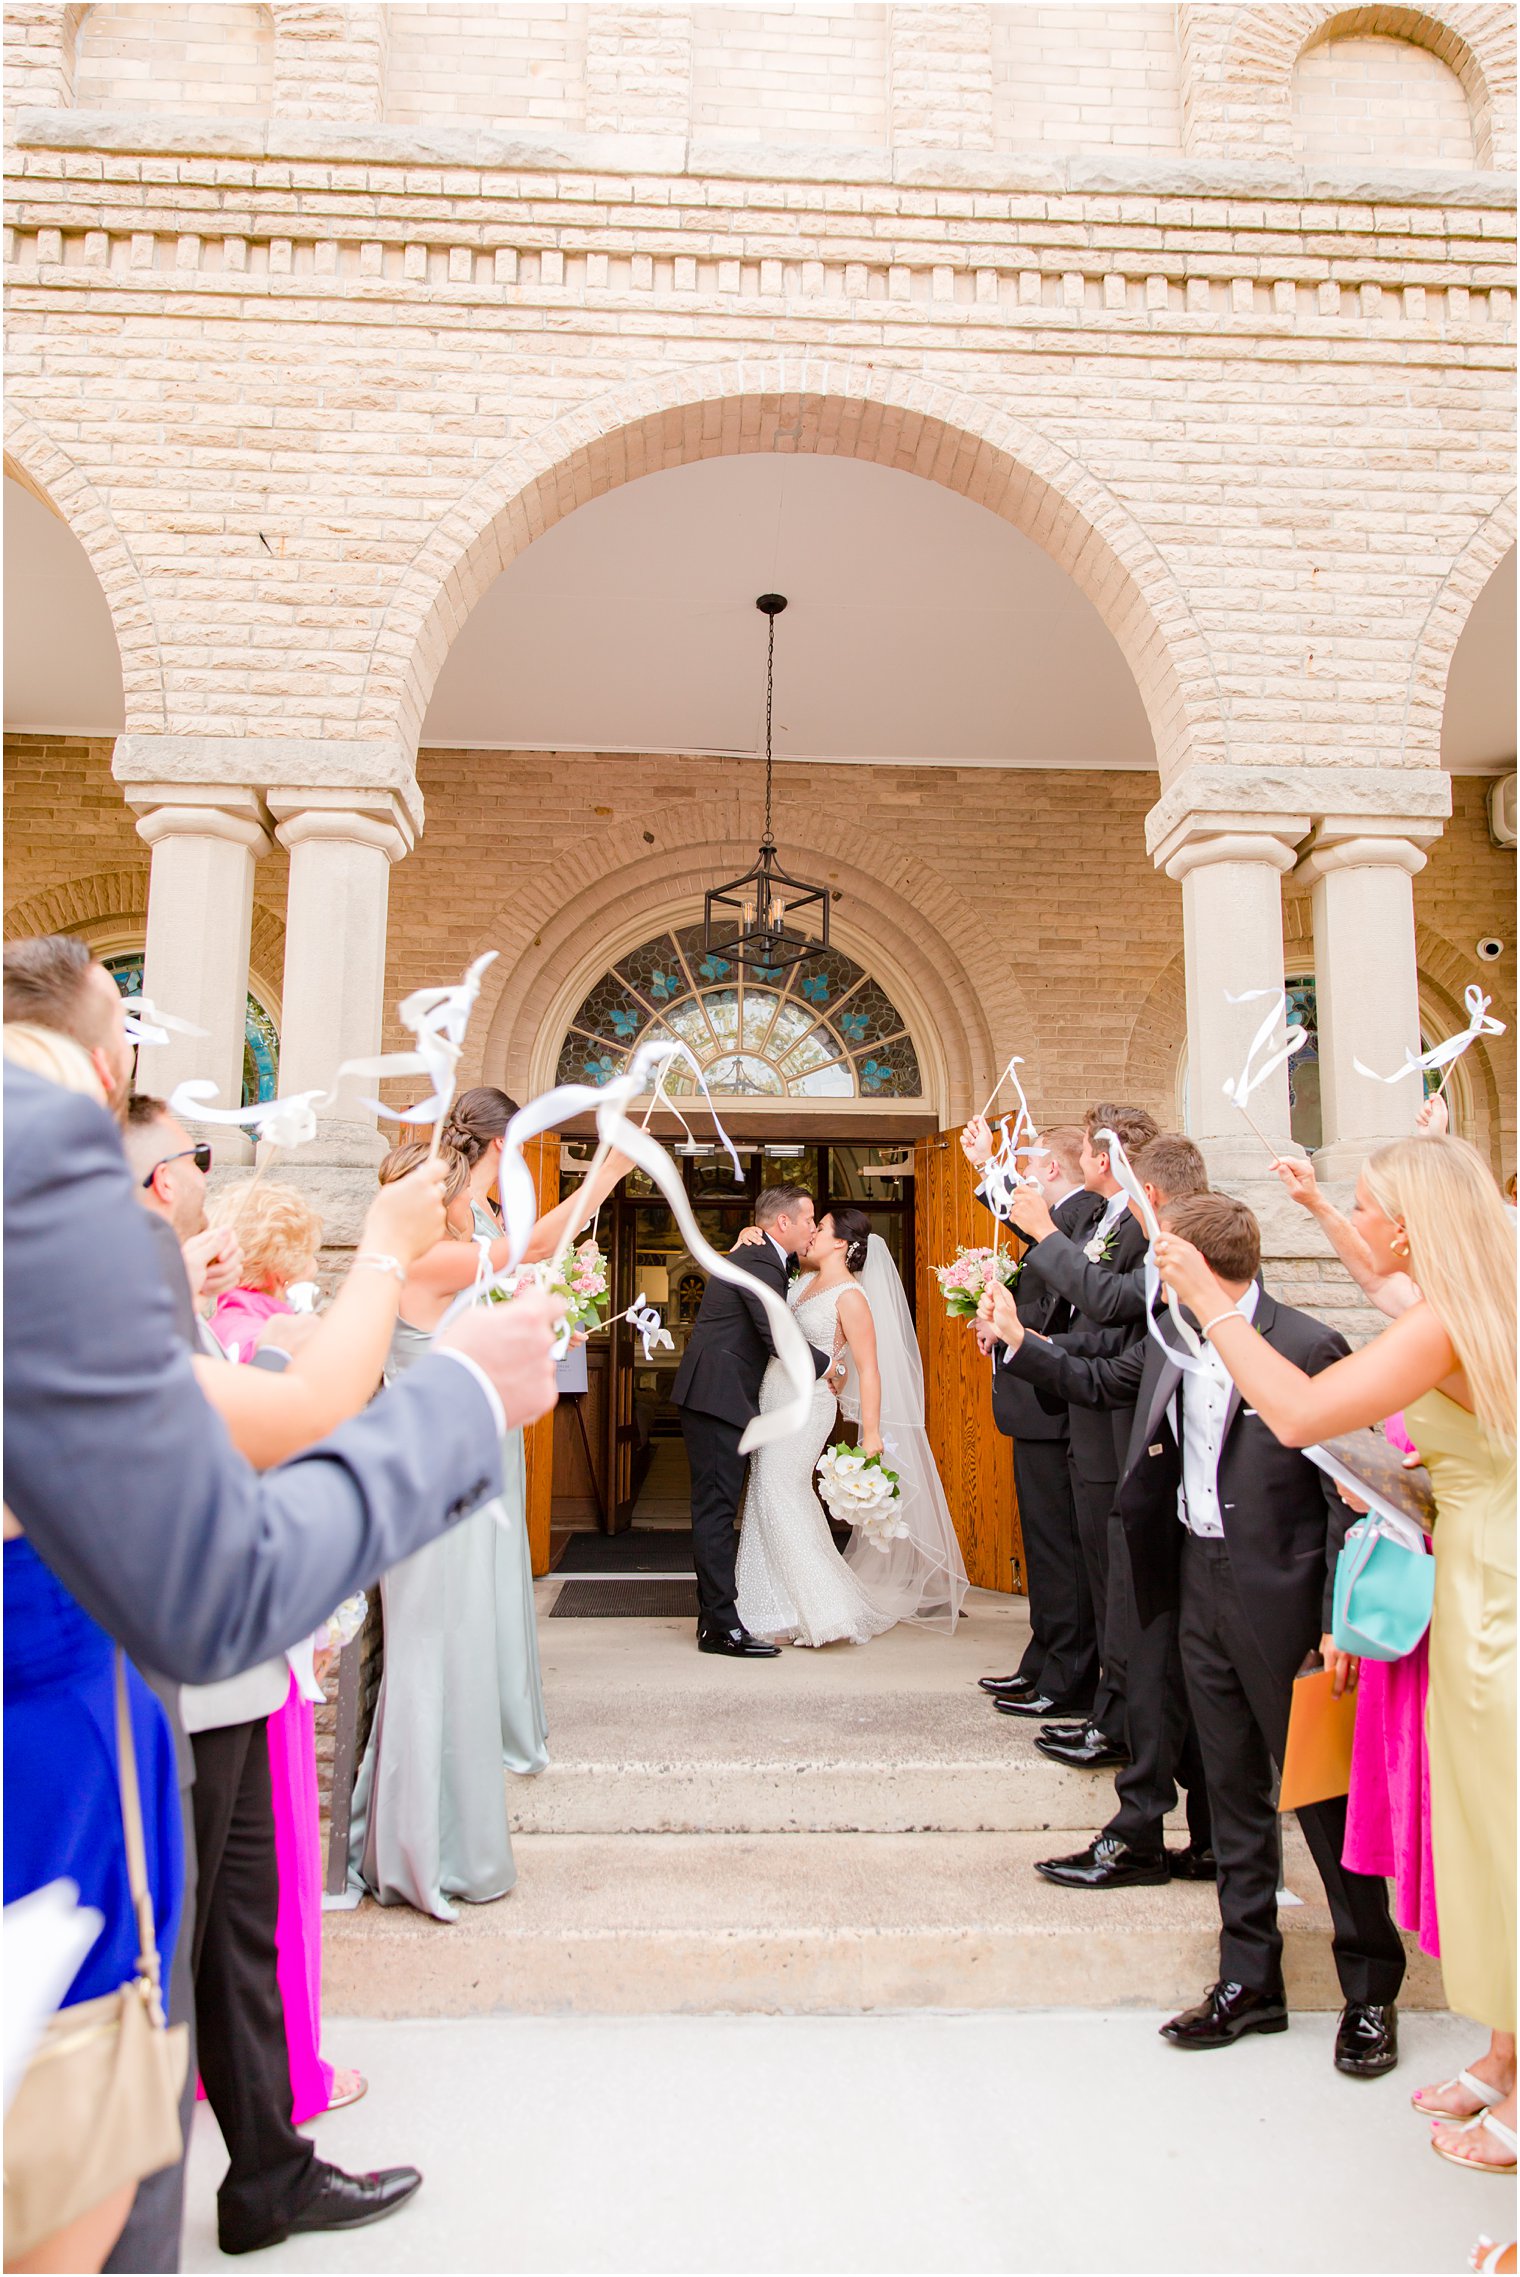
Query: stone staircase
x=828 y=1832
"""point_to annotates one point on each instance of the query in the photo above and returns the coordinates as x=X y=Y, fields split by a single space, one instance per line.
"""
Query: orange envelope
x=1317 y=1759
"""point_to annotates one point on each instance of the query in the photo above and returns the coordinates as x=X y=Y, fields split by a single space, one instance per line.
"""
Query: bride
x=792 y=1582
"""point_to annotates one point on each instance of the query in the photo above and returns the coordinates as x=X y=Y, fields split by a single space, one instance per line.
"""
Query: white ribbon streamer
x=438 y=1018
x=291 y=1121
x=1444 y=1055
x=647 y=1324
x=145 y=1024
x=1190 y=1358
x=609 y=1102
x=1252 y=1076
x=1001 y=1172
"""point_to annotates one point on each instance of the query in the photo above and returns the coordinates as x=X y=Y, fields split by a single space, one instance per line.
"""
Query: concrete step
x=807 y=1923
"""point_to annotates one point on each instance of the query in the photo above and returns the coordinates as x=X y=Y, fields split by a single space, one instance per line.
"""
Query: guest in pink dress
x=1388 y=1807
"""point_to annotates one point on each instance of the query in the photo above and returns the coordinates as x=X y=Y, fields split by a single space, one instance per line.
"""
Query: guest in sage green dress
x=460 y=1694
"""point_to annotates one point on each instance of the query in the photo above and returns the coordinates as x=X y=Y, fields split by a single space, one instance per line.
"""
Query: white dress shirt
x=1205 y=1401
x=1114 y=1210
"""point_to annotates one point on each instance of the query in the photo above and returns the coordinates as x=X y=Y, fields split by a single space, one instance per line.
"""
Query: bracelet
x=379 y=1263
x=1232 y=1314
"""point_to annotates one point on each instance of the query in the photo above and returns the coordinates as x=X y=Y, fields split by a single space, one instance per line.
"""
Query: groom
x=717 y=1390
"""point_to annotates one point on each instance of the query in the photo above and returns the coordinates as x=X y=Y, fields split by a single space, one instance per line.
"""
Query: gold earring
x=1399 y=1248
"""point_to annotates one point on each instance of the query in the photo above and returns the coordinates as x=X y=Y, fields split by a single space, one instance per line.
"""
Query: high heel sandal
x=1483 y=2119
x=1487 y=2098
x=1485 y=2257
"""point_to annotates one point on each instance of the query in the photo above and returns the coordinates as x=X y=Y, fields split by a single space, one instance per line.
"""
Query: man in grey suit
x=211 y=1566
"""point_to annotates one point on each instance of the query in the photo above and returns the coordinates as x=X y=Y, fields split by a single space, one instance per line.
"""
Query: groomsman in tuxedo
x=1237 y=1536
x=1060 y=1665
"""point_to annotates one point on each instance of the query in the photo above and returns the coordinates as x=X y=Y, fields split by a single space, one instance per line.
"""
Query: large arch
x=897 y=917
x=51 y=476
x=1239 y=68
x=887 y=417
x=1445 y=621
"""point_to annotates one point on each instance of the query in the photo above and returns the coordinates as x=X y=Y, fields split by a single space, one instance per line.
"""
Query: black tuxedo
x=1249 y=1608
x=1062 y=1654
x=717 y=1390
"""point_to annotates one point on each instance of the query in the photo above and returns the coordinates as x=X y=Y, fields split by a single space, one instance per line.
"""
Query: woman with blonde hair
x=1429 y=1207
x=51 y=1055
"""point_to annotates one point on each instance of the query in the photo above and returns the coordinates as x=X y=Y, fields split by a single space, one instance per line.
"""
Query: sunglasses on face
x=200 y=1155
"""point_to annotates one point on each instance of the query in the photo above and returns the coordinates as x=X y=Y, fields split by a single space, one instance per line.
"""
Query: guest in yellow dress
x=1430 y=1207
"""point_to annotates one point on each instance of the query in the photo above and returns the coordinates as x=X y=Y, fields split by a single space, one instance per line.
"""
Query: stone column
x=205 y=842
x=1366 y=987
x=1232 y=941
x=342 y=845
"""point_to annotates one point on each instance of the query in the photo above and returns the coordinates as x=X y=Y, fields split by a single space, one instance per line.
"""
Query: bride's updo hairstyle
x=476 y=1118
x=853 y=1228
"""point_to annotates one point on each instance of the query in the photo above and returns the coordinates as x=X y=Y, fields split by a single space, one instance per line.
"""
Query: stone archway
x=1445 y=622
x=840 y=410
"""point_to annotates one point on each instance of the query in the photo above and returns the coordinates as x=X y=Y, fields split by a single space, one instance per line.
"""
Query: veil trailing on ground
x=922 y=1578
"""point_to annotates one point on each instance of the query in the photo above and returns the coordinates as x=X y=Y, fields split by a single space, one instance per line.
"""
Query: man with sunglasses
x=170 y=1174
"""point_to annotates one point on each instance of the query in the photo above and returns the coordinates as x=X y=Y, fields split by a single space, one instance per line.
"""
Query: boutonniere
x=1100 y=1250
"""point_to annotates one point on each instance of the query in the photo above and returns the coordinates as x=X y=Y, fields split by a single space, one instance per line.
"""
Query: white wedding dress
x=792 y=1582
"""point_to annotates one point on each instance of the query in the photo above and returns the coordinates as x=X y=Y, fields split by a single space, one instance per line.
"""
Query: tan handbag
x=98 y=2107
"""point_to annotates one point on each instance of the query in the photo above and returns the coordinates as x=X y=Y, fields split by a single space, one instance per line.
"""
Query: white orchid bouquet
x=968 y=1274
x=860 y=1491
x=580 y=1281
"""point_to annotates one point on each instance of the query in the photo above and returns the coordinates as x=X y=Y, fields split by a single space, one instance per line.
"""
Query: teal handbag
x=1384 y=1592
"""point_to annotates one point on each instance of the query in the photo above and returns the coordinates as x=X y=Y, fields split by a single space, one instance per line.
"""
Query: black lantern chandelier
x=753 y=919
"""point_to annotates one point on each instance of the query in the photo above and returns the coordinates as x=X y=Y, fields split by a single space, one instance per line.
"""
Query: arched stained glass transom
x=822 y=1030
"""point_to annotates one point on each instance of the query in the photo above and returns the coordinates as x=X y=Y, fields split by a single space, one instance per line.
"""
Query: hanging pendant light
x=754 y=919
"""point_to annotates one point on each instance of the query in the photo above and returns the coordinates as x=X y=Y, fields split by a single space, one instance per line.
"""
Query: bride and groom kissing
x=783 y=1579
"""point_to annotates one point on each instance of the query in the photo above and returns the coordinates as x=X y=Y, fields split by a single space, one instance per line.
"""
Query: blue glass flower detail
x=662 y=986
x=768 y=973
x=855 y=1025
x=874 y=1075
x=816 y=989
x=625 y=1021
x=714 y=968
x=601 y=1068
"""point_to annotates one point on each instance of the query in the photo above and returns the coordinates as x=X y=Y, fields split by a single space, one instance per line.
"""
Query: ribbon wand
x=1238 y=1088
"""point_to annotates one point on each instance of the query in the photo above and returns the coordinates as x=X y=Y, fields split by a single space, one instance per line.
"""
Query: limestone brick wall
x=1381 y=99
x=520 y=66
x=153 y=56
x=1088 y=78
x=790 y=70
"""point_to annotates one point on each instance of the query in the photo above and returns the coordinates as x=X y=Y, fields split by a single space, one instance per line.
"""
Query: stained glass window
x=261 y=1038
x=823 y=1029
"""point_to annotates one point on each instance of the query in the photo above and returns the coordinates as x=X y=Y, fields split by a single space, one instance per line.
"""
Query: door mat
x=641 y=1549
x=630 y=1600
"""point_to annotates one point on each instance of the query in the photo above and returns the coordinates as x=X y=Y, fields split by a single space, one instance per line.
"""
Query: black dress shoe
x=338 y=2201
x=1192 y=1864
x=1008 y=1687
x=1367 y=2039
x=1026 y=1704
x=1107 y=1864
x=1225 y=2012
x=737 y=1643
x=1093 y=1751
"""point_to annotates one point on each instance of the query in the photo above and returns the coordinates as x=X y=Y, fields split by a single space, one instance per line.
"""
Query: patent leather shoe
x=1107 y=1864
x=1094 y=1751
x=1192 y=1864
x=1225 y=2014
x=1026 y=1704
x=337 y=2201
x=1009 y=1687
x=1367 y=2039
x=737 y=1643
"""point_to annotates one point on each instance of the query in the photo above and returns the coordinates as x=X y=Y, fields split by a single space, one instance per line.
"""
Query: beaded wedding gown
x=792 y=1582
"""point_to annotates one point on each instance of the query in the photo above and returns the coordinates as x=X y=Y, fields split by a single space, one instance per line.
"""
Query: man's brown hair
x=780 y=1202
x=1135 y=1128
x=1222 y=1230
x=1173 y=1165
x=1065 y=1143
x=47 y=982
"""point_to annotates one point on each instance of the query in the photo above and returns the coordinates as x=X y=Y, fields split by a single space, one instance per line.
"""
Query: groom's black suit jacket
x=1283 y=1520
x=731 y=1342
x=1017 y=1408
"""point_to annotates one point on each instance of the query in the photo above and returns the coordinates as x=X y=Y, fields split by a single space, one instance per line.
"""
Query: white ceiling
x=921 y=628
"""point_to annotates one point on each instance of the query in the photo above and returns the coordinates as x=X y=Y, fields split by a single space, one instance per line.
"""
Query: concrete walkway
x=989 y=2141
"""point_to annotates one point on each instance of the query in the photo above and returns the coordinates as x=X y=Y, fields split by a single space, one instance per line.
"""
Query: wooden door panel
x=974 y=1458
x=542 y=1157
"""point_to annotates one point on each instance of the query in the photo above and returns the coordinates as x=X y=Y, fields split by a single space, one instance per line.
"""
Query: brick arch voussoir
x=910 y=927
x=1154 y=1046
x=1445 y=623
x=887 y=418
x=120 y=897
x=51 y=475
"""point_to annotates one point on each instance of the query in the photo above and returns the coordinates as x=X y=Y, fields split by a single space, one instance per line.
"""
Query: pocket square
x=1158 y=1449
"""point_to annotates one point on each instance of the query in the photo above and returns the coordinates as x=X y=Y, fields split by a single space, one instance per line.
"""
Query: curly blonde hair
x=277 y=1226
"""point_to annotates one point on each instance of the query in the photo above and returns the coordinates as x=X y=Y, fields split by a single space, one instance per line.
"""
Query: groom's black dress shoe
x=1094 y=1751
x=1025 y=1704
x=1225 y=2013
x=737 y=1643
x=1008 y=1687
x=337 y=2201
x=1367 y=2039
x=1107 y=1864
x=1192 y=1865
